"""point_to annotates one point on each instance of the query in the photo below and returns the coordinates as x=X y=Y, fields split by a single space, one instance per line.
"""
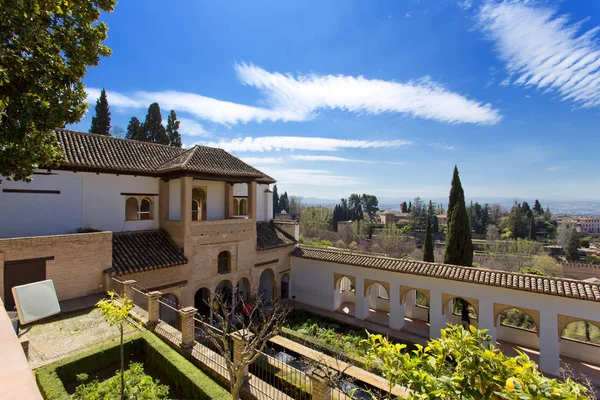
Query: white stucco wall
x=175 y=200
x=28 y=214
x=104 y=205
x=240 y=189
x=215 y=198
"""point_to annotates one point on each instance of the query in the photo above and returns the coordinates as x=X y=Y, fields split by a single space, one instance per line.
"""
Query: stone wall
x=78 y=263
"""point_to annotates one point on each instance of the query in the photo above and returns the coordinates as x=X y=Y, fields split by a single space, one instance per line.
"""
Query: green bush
x=138 y=386
x=584 y=242
x=183 y=374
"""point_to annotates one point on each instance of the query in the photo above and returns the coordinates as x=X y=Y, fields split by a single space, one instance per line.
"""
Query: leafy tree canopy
x=47 y=47
x=173 y=130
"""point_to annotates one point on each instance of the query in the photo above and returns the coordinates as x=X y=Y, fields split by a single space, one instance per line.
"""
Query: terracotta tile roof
x=268 y=236
x=139 y=251
x=98 y=153
x=510 y=280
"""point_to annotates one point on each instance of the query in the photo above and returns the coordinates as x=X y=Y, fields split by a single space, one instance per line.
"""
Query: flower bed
x=58 y=380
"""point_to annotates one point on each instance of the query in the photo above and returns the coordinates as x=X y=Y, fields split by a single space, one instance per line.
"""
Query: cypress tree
x=428 y=249
x=135 y=131
x=409 y=209
x=154 y=131
x=101 y=121
x=173 y=130
x=532 y=228
x=275 y=201
x=284 y=202
x=459 y=247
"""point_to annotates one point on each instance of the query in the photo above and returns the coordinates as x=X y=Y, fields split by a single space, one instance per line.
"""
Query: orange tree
x=462 y=364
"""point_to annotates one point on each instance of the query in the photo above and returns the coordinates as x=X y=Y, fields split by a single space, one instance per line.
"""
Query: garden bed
x=58 y=380
x=330 y=337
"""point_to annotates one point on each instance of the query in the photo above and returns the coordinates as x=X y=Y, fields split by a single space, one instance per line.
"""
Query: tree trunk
x=122 y=367
x=236 y=387
x=587 y=332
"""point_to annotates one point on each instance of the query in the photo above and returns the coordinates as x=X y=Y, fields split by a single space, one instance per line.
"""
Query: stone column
x=437 y=320
x=549 y=342
x=211 y=312
x=320 y=390
x=360 y=300
x=410 y=300
x=153 y=308
x=128 y=289
x=252 y=200
x=396 y=309
x=485 y=318
x=240 y=340
x=228 y=200
x=186 y=205
x=187 y=327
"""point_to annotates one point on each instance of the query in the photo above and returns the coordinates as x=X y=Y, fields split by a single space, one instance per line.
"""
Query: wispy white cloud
x=192 y=128
x=254 y=161
x=443 y=146
x=311 y=177
x=306 y=94
x=554 y=169
x=339 y=159
x=544 y=50
x=301 y=97
x=276 y=143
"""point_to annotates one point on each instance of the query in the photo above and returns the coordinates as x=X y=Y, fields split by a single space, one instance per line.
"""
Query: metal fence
x=279 y=374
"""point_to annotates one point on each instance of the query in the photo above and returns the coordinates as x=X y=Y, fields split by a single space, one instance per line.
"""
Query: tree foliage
x=315 y=222
x=284 y=202
x=370 y=205
x=135 y=130
x=418 y=215
x=101 y=121
x=428 y=247
x=276 y=208
x=172 y=130
x=572 y=248
x=154 y=131
x=459 y=246
x=46 y=48
x=115 y=311
x=463 y=364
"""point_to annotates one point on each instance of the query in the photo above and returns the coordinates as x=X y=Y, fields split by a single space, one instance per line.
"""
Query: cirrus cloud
x=545 y=50
x=301 y=97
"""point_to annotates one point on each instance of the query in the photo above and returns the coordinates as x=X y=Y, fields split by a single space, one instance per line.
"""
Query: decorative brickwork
x=320 y=390
x=153 y=308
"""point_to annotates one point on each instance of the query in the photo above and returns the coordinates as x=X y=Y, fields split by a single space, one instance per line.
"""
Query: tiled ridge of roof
x=269 y=236
x=511 y=280
x=99 y=153
x=138 y=251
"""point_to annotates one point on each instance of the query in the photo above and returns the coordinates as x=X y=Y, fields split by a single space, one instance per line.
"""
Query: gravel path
x=67 y=334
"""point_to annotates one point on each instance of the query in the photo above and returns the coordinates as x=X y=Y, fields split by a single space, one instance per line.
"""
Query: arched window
x=195 y=207
x=224 y=264
x=131 y=209
x=145 y=209
x=243 y=207
x=236 y=209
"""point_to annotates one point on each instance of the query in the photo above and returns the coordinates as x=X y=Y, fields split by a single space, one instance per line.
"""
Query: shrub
x=340 y=244
x=460 y=365
x=584 y=242
x=352 y=245
x=138 y=386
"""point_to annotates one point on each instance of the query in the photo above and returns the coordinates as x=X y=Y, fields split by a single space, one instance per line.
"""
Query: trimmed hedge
x=183 y=375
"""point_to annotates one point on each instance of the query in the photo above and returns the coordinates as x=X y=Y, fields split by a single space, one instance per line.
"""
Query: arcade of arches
x=416 y=311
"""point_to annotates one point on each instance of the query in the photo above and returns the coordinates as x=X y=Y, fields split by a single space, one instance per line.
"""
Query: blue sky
x=336 y=97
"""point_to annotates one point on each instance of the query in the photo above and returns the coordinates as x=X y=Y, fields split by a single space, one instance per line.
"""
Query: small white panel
x=36 y=301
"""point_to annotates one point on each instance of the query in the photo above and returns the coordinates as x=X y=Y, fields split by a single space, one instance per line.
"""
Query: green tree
x=116 y=310
x=418 y=215
x=428 y=248
x=276 y=208
x=172 y=130
x=409 y=207
x=46 y=48
x=459 y=246
x=370 y=205
x=572 y=248
x=284 y=202
x=465 y=365
x=154 y=131
x=537 y=207
x=403 y=207
x=101 y=121
x=355 y=206
x=135 y=130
